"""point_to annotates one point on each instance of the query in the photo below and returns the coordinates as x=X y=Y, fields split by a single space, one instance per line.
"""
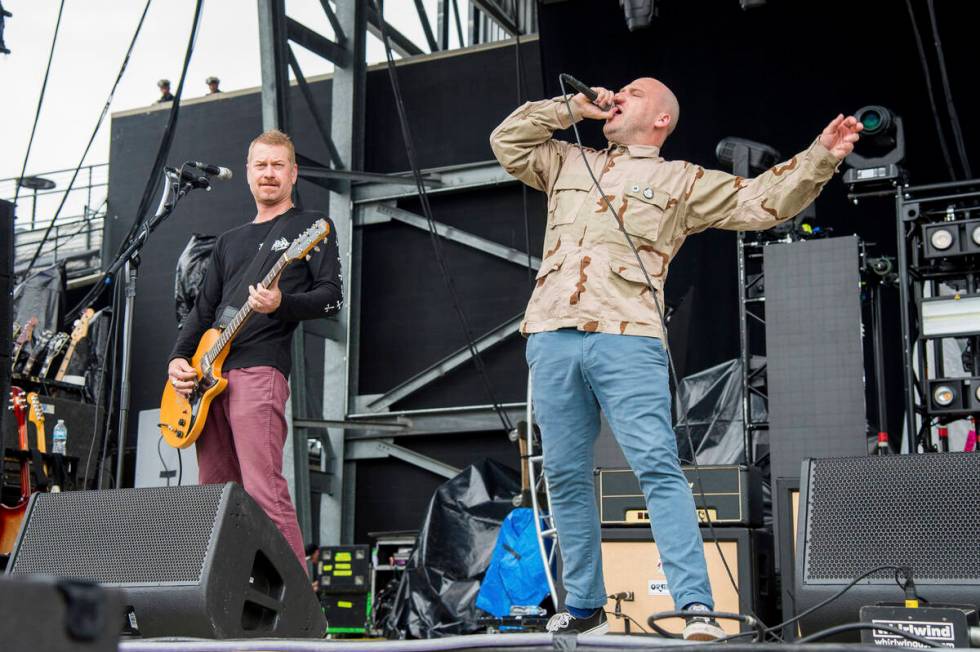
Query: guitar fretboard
x=236 y=323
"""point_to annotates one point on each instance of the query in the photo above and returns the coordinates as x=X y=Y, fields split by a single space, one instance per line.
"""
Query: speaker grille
x=123 y=537
x=904 y=510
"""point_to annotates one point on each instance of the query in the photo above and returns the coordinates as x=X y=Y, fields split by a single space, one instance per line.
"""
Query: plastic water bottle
x=59 y=437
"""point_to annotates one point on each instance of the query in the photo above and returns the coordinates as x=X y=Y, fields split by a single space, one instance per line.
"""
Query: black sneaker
x=566 y=622
x=701 y=628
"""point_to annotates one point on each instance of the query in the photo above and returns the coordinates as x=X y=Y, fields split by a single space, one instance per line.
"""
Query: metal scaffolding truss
x=353 y=428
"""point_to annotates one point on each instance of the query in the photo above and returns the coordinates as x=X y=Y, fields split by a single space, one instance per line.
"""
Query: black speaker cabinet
x=200 y=561
x=858 y=513
x=58 y=615
x=631 y=562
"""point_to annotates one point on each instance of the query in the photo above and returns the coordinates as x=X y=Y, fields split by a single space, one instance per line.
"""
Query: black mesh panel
x=128 y=536
x=904 y=510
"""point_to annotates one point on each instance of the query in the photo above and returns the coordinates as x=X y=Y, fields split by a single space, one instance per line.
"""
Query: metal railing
x=76 y=237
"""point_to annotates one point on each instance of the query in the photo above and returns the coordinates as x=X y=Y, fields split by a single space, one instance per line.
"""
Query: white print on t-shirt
x=280 y=244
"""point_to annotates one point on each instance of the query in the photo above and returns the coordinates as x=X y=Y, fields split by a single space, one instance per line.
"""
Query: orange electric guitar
x=12 y=515
x=78 y=332
x=182 y=419
x=35 y=413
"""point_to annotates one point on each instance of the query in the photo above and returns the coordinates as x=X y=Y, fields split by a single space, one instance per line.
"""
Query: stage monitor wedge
x=858 y=513
x=202 y=561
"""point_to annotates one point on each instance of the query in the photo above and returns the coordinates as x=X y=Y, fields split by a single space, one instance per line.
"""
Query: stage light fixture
x=883 y=147
x=745 y=156
x=976 y=393
x=639 y=13
x=943 y=395
x=941 y=239
x=951 y=316
x=975 y=236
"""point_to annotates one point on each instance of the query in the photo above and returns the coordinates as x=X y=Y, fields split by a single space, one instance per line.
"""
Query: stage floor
x=487 y=643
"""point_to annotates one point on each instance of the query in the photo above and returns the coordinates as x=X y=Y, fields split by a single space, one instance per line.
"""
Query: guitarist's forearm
x=320 y=302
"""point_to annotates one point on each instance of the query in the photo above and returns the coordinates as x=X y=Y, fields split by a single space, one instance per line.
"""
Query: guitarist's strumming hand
x=182 y=376
x=265 y=300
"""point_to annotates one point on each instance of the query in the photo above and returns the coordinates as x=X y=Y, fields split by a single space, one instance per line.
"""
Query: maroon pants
x=242 y=442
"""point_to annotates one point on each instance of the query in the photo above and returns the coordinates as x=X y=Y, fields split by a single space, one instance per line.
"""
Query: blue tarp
x=516 y=576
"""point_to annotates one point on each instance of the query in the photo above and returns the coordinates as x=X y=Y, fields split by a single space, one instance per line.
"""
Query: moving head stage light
x=883 y=141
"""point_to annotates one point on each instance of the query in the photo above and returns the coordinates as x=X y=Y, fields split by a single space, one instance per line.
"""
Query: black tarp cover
x=191 y=266
x=437 y=593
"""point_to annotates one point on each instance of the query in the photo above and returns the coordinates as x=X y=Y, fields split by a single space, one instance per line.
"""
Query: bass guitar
x=79 y=332
x=12 y=515
x=182 y=419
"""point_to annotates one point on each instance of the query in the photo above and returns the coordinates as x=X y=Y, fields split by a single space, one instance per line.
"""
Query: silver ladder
x=542 y=513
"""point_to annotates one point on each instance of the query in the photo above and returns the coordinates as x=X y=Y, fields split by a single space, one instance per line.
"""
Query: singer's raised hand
x=841 y=135
x=583 y=108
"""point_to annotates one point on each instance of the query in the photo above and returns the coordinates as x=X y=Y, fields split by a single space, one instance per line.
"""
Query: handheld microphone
x=216 y=171
x=583 y=89
x=579 y=87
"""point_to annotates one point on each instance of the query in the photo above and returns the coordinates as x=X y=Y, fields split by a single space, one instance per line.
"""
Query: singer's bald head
x=647 y=112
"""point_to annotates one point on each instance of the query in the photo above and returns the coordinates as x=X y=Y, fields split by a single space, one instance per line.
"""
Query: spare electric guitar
x=12 y=515
x=79 y=332
x=37 y=352
x=55 y=347
x=182 y=419
x=22 y=339
x=35 y=414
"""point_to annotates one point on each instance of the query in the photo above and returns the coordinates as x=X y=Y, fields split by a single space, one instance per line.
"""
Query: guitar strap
x=254 y=273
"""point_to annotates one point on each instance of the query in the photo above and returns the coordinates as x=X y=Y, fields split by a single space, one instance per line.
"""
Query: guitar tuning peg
x=316 y=248
x=307 y=257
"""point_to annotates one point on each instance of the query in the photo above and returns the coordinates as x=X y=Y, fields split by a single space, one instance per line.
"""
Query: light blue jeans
x=575 y=374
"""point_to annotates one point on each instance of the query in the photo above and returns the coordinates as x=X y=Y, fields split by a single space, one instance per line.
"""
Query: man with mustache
x=245 y=431
x=594 y=329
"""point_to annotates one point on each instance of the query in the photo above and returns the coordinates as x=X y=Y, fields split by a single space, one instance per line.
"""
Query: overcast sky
x=93 y=39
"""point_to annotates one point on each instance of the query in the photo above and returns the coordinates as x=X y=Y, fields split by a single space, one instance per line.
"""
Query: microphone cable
x=437 y=250
x=670 y=358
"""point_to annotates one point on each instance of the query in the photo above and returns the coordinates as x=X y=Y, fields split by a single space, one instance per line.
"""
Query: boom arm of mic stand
x=175 y=188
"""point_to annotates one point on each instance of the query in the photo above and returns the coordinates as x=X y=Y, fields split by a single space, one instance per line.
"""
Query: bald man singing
x=595 y=338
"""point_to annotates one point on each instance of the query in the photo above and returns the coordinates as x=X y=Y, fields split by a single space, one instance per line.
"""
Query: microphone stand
x=177 y=183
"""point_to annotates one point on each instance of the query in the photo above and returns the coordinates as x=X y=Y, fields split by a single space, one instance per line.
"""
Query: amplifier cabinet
x=732 y=495
x=631 y=562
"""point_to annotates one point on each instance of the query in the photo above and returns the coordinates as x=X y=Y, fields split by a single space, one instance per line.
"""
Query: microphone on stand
x=216 y=171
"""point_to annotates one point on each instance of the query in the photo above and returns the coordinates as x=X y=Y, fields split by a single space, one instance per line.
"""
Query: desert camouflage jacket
x=589 y=278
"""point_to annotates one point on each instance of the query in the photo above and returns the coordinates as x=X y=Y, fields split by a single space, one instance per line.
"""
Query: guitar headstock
x=27 y=331
x=58 y=342
x=35 y=411
x=18 y=403
x=42 y=342
x=81 y=325
x=306 y=240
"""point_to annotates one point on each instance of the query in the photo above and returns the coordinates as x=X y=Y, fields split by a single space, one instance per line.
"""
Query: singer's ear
x=663 y=121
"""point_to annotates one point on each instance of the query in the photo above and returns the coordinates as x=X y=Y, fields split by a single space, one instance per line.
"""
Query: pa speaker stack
x=858 y=513
x=200 y=561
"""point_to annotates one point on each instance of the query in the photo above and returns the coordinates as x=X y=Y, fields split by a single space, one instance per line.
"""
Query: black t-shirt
x=310 y=289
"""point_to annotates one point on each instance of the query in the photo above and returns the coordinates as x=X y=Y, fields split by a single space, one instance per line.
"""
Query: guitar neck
x=238 y=321
x=63 y=369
